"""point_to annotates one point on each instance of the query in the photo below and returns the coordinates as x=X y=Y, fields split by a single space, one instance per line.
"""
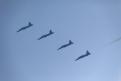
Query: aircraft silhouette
x=82 y=56
x=46 y=35
x=66 y=45
x=23 y=28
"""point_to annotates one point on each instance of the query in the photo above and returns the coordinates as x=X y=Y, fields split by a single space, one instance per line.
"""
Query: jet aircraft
x=46 y=35
x=66 y=45
x=28 y=26
x=82 y=56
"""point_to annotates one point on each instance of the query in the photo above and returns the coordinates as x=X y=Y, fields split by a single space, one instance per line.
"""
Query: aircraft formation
x=51 y=33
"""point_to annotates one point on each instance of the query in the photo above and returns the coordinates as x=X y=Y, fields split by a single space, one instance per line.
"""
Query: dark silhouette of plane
x=46 y=35
x=82 y=56
x=66 y=45
x=23 y=28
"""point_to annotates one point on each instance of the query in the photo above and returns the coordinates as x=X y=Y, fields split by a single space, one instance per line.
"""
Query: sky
x=91 y=24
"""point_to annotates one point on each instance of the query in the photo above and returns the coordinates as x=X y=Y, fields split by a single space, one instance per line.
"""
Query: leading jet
x=82 y=56
x=46 y=35
x=66 y=45
x=28 y=26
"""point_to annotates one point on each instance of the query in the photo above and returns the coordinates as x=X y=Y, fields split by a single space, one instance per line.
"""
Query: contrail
x=108 y=44
x=112 y=42
x=116 y=40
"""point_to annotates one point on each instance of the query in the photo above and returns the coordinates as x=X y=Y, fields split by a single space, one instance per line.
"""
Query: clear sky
x=91 y=24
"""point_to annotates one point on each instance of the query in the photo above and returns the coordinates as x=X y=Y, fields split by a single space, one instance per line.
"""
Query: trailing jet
x=66 y=45
x=46 y=35
x=82 y=56
x=23 y=28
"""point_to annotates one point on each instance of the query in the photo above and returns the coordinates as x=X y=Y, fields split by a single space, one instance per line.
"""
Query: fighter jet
x=82 y=56
x=66 y=45
x=46 y=35
x=23 y=28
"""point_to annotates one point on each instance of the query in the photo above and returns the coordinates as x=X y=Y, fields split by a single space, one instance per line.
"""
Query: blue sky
x=91 y=24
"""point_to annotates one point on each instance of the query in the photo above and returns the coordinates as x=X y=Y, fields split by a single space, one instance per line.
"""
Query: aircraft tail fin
x=70 y=42
x=88 y=52
x=30 y=24
x=51 y=32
